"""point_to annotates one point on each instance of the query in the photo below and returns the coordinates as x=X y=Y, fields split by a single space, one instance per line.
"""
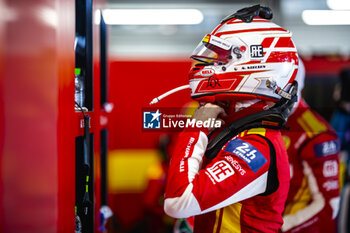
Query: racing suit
x=227 y=193
x=313 y=148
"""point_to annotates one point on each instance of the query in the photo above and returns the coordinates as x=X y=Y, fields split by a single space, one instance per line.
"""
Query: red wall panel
x=325 y=65
x=133 y=84
x=38 y=120
x=38 y=63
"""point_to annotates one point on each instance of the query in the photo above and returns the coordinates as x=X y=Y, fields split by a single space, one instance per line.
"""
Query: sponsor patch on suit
x=247 y=152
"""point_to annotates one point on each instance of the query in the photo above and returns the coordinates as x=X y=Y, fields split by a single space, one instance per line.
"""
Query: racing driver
x=236 y=178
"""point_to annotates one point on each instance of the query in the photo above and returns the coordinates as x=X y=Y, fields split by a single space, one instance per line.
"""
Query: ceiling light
x=152 y=16
x=338 y=4
x=326 y=17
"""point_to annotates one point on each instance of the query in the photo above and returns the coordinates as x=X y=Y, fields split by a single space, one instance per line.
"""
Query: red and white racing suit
x=223 y=192
x=313 y=148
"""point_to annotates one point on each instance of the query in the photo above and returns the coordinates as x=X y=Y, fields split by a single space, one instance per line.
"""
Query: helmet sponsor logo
x=213 y=85
x=256 y=51
x=213 y=82
x=221 y=43
x=207 y=72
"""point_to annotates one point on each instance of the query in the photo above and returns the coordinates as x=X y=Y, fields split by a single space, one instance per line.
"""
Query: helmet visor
x=213 y=49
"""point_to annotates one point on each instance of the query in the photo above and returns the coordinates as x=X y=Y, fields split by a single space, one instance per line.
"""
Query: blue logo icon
x=327 y=148
x=247 y=152
x=151 y=120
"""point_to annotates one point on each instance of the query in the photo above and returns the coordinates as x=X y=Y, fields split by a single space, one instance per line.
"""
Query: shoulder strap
x=272 y=177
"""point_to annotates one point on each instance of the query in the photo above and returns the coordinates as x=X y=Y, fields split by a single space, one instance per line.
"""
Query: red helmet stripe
x=250 y=30
x=267 y=42
x=217 y=28
x=293 y=76
x=282 y=57
x=234 y=20
x=284 y=42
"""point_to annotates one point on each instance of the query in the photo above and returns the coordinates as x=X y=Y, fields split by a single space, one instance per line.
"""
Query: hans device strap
x=273 y=118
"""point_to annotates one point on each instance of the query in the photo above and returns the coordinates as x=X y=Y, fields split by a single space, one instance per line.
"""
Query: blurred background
x=159 y=56
x=126 y=59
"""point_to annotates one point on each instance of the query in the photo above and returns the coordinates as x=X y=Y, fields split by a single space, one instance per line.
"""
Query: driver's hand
x=208 y=111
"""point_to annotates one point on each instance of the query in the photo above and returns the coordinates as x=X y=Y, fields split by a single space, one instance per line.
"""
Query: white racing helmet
x=245 y=57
